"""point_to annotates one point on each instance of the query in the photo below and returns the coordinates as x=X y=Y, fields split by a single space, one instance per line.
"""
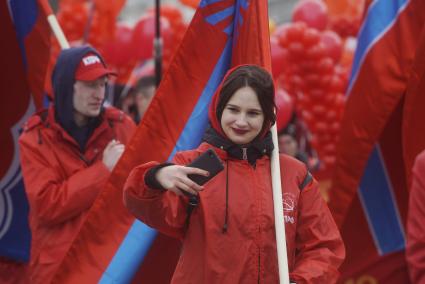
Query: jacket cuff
x=150 y=177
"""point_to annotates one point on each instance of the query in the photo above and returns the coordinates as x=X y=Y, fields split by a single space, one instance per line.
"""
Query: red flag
x=222 y=34
x=376 y=90
x=24 y=59
x=369 y=192
x=413 y=113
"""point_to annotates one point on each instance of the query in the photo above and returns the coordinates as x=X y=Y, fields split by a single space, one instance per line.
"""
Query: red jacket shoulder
x=291 y=168
x=114 y=114
x=292 y=164
x=35 y=120
x=125 y=125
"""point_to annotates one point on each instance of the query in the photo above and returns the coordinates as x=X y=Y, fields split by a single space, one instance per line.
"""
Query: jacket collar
x=250 y=152
x=52 y=123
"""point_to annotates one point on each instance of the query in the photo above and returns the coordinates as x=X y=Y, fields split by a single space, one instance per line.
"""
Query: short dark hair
x=259 y=80
x=144 y=83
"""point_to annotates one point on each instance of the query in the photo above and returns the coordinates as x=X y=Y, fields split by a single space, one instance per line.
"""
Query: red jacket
x=246 y=253
x=62 y=184
x=415 y=251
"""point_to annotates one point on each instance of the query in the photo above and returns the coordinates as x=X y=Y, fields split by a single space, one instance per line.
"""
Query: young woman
x=229 y=237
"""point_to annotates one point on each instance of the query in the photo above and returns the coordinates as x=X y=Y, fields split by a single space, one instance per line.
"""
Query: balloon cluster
x=311 y=62
x=123 y=47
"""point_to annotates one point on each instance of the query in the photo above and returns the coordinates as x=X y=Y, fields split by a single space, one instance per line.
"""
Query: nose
x=241 y=121
x=99 y=91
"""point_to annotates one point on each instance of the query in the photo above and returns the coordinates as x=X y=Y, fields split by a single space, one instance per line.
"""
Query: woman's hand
x=175 y=178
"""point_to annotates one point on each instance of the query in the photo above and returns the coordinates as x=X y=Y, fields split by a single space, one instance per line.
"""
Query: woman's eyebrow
x=251 y=109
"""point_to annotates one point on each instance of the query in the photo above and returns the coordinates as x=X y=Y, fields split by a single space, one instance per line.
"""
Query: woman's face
x=242 y=118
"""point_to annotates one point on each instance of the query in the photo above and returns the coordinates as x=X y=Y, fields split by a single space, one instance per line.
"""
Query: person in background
x=135 y=98
x=415 y=249
x=67 y=155
x=288 y=144
x=229 y=237
x=143 y=92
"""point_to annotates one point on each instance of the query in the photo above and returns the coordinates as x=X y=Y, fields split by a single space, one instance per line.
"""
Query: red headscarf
x=212 y=113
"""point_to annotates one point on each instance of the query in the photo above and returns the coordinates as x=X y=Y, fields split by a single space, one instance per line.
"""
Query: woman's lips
x=239 y=131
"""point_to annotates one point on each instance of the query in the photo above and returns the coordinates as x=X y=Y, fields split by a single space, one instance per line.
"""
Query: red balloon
x=319 y=110
x=281 y=34
x=325 y=66
x=312 y=12
x=119 y=51
x=279 y=57
x=315 y=52
x=73 y=19
x=296 y=50
x=332 y=43
x=296 y=31
x=311 y=37
x=285 y=108
x=144 y=34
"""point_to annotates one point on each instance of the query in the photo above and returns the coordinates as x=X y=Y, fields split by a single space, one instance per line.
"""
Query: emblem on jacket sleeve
x=289 y=207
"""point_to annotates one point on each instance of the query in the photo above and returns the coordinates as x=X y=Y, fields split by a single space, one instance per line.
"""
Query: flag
x=223 y=33
x=369 y=189
x=24 y=58
x=413 y=126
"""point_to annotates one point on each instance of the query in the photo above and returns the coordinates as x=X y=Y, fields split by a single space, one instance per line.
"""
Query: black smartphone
x=208 y=161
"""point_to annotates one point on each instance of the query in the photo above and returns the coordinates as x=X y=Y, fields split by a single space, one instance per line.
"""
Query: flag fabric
x=24 y=59
x=111 y=244
x=414 y=115
x=369 y=189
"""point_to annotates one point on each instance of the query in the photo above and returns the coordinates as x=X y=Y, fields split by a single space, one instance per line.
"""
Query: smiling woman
x=242 y=118
x=229 y=235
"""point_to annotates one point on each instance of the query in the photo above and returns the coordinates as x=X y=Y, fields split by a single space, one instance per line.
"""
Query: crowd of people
x=68 y=151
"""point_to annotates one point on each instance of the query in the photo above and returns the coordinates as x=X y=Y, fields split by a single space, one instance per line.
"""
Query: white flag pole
x=282 y=258
x=54 y=24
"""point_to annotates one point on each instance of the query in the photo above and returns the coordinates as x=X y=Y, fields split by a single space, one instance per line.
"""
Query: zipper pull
x=244 y=154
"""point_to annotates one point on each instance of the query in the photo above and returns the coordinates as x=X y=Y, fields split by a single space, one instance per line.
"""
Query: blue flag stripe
x=380 y=17
x=24 y=15
x=220 y=16
x=380 y=207
x=192 y=133
x=131 y=253
x=208 y=2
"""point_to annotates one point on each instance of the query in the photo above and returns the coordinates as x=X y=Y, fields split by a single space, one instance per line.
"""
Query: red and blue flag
x=369 y=192
x=24 y=59
x=111 y=245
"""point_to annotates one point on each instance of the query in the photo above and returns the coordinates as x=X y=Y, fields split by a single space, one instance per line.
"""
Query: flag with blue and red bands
x=223 y=33
x=369 y=190
x=25 y=55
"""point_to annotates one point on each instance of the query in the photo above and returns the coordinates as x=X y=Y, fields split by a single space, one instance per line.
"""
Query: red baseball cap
x=91 y=68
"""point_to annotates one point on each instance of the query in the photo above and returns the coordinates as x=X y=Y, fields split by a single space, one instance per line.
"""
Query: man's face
x=143 y=98
x=288 y=145
x=88 y=99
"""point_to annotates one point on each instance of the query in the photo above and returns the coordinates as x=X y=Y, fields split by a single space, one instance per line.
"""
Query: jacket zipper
x=259 y=236
x=244 y=154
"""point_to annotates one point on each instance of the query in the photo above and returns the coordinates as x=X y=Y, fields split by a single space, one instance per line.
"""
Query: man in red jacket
x=415 y=251
x=67 y=154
